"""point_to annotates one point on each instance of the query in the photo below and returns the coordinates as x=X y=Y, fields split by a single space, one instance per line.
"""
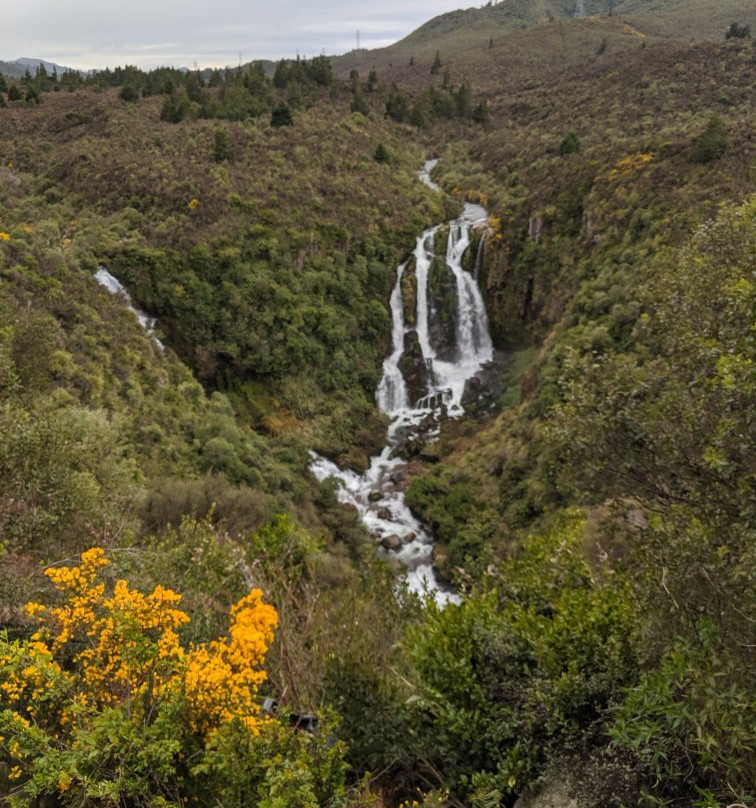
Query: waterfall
x=378 y=493
x=115 y=287
x=392 y=391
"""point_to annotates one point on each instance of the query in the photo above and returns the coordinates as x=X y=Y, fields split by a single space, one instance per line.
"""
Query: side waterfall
x=115 y=287
x=377 y=494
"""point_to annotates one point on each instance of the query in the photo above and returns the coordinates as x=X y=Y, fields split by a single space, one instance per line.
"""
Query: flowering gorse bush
x=103 y=705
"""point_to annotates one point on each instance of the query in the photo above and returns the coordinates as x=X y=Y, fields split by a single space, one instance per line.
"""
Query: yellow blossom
x=222 y=678
x=122 y=650
x=628 y=165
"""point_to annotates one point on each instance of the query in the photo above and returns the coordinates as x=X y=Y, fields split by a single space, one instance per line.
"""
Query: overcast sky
x=147 y=33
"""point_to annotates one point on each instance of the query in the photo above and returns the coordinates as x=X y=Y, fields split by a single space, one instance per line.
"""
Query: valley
x=480 y=302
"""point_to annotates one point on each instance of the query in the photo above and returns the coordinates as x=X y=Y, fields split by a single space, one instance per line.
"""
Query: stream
x=417 y=402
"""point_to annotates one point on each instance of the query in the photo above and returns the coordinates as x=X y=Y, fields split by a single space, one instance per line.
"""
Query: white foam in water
x=115 y=287
x=377 y=493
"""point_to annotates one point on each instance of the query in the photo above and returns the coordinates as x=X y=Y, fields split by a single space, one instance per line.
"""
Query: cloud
x=148 y=33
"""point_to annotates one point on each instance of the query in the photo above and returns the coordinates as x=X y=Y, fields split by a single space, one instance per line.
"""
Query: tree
x=381 y=154
x=256 y=81
x=281 y=75
x=359 y=104
x=668 y=425
x=570 y=144
x=281 y=115
x=512 y=672
x=420 y=111
x=736 y=31
x=436 y=66
x=712 y=143
x=175 y=107
x=14 y=94
x=372 y=82
x=463 y=101
x=221 y=146
x=397 y=104
x=480 y=113
x=320 y=71
x=129 y=93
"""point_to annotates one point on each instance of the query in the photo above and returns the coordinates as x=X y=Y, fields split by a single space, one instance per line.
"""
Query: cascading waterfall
x=115 y=287
x=377 y=494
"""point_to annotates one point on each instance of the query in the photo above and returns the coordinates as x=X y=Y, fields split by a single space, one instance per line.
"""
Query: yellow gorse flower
x=131 y=653
x=222 y=678
x=629 y=165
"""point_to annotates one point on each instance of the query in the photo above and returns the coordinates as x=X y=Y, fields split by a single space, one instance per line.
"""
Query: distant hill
x=541 y=30
x=18 y=67
x=698 y=19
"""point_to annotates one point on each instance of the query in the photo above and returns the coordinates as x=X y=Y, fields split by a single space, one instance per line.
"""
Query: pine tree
x=381 y=154
x=282 y=75
x=436 y=66
x=358 y=100
x=463 y=101
x=397 y=105
x=221 y=146
x=175 y=107
x=570 y=144
x=480 y=113
x=129 y=93
x=281 y=115
x=712 y=143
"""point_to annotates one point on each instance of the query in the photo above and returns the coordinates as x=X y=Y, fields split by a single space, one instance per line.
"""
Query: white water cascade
x=115 y=287
x=378 y=493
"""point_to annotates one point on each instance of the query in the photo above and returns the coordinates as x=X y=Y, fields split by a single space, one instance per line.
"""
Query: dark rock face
x=412 y=365
x=409 y=294
x=442 y=299
x=484 y=388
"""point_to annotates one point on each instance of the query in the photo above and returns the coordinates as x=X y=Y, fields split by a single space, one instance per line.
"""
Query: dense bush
x=104 y=705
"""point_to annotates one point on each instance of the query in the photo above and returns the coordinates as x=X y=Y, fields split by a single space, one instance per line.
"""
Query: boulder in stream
x=392 y=543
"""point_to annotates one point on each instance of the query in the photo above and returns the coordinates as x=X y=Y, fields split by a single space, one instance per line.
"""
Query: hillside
x=18 y=67
x=519 y=41
x=592 y=509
